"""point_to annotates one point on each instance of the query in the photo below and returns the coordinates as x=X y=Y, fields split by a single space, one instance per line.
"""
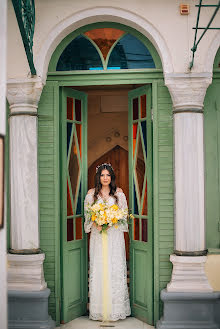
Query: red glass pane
x=144 y=230
x=78 y=109
x=79 y=137
x=69 y=203
x=144 y=210
x=135 y=108
x=143 y=106
x=74 y=167
x=135 y=125
x=78 y=222
x=69 y=108
x=104 y=38
x=70 y=229
x=136 y=229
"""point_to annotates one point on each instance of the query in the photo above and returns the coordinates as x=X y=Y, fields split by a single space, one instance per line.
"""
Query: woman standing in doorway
x=109 y=299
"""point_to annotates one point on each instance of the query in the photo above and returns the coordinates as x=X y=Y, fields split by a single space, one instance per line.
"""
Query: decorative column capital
x=187 y=91
x=24 y=95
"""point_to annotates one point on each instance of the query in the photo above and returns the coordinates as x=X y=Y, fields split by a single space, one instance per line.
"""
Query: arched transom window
x=105 y=49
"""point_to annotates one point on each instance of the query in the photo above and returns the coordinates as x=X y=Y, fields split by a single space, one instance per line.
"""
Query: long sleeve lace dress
x=118 y=304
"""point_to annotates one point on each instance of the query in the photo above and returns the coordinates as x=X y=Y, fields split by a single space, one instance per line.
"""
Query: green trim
x=60 y=48
x=217 y=60
x=212 y=251
x=155 y=173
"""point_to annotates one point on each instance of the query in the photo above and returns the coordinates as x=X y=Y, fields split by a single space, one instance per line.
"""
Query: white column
x=3 y=254
x=25 y=259
x=188 y=94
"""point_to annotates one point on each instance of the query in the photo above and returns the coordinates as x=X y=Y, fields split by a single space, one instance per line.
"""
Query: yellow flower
x=116 y=226
x=114 y=207
x=93 y=218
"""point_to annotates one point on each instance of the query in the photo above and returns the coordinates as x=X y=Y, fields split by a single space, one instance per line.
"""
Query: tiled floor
x=84 y=323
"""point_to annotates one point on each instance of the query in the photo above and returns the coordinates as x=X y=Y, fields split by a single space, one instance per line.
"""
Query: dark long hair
x=98 y=185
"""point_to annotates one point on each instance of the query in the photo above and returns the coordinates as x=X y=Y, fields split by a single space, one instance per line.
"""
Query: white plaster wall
x=3 y=259
x=161 y=16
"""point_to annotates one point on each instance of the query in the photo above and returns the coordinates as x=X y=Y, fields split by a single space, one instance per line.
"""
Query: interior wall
x=107 y=119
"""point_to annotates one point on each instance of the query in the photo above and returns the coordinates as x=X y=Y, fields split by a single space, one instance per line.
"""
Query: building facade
x=114 y=83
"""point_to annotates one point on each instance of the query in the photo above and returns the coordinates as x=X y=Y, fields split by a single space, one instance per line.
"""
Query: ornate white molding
x=188 y=275
x=94 y=15
x=187 y=91
x=24 y=95
x=25 y=272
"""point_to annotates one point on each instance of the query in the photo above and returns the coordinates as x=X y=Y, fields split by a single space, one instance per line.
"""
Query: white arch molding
x=211 y=53
x=94 y=15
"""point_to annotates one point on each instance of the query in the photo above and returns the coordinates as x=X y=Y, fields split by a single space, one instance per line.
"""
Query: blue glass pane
x=135 y=200
x=79 y=202
x=144 y=132
x=80 y=54
x=130 y=53
x=69 y=130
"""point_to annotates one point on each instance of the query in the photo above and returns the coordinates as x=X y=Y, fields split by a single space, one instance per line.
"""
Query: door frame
x=137 y=77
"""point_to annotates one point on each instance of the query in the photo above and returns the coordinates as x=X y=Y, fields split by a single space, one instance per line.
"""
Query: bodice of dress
x=122 y=204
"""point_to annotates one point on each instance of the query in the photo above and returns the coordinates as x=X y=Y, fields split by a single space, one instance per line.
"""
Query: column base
x=188 y=274
x=29 y=309
x=189 y=310
x=25 y=272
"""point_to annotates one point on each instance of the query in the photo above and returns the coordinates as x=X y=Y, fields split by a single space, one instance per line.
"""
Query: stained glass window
x=113 y=47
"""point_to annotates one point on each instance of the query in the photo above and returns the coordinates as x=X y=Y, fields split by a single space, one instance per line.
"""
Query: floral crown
x=103 y=164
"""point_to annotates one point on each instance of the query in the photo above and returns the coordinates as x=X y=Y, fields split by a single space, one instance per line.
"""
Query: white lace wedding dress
x=118 y=298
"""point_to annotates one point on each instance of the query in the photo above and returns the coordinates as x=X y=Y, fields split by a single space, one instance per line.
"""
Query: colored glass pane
x=144 y=209
x=69 y=131
x=130 y=53
x=136 y=229
x=78 y=223
x=69 y=108
x=143 y=106
x=144 y=230
x=79 y=54
x=140 y=166
x=135 y=200
x=74 y=167
x=104 y=38
x=135 y=125
x=78 y=109
x=135 y=108
x=69 y=203
x=79 y=137
x=144 y=133
x=70 y=229
x=79 y=202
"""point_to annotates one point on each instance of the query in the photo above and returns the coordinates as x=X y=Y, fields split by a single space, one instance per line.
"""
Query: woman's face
x=105 y=178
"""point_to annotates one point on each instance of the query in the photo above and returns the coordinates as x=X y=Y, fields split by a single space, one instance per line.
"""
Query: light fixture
x=1 y=181
x=184 y=9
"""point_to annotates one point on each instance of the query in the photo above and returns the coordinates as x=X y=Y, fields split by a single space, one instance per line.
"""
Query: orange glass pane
x=135 y=108
x=143 y=106
x=104 y=38
x=78 y=109
x=136 y=229
x=74 y=167
x=78 y=222
x=144 y=230
x=69 y=203
x=144 y=209
x=79 y=137
x=135 y=125
x=69 y=108
x=140 y=166
x=70 y=229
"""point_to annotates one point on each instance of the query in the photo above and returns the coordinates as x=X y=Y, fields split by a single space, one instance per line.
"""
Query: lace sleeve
x=88 y=201
x=122 y=203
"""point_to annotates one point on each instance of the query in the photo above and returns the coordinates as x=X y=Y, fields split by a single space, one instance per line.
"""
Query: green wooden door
x=140 y=202
x=73 y=189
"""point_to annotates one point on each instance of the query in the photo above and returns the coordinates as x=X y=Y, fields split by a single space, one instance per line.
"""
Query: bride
x=109 y=300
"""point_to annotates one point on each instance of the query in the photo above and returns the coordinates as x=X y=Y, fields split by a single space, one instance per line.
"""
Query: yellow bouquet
x=107 y=216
